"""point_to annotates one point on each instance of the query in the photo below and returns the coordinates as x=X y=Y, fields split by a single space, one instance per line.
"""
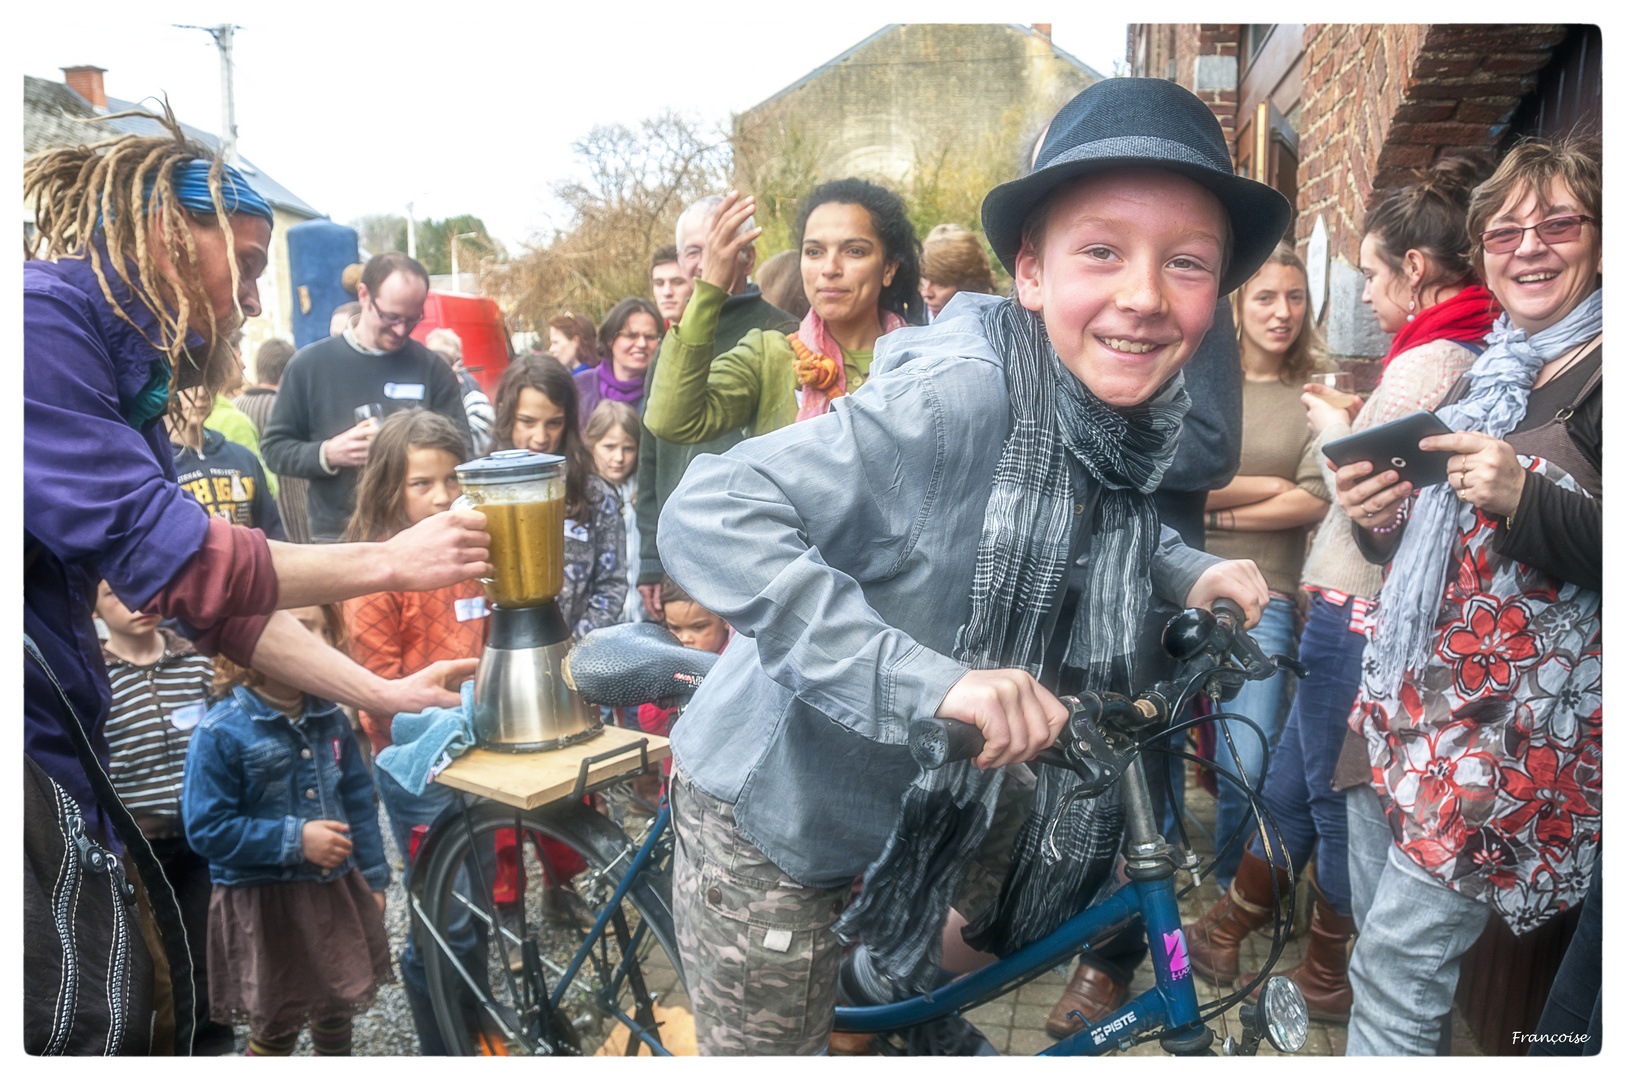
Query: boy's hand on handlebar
x=1017 y=717
x=1235 y=579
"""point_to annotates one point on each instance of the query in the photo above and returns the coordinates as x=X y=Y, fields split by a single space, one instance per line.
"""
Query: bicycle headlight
x=1283 y=1015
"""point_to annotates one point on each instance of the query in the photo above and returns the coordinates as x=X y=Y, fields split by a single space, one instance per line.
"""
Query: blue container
x=318 y=252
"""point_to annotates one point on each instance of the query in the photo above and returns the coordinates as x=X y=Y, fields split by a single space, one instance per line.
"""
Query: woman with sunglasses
x=627 y=340
x=1480 y=709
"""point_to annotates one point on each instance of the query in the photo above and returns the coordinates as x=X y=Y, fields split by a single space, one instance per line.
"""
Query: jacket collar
x=257 y=709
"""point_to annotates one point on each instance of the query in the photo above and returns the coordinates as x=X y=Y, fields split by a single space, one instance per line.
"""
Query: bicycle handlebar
x=935 y=742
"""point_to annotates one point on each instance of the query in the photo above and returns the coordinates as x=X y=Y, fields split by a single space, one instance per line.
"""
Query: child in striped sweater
x=160 y=692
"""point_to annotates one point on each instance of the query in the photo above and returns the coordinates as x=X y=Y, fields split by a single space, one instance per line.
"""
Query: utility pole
x=228 y=104
x=412 y=234
x=460 y=236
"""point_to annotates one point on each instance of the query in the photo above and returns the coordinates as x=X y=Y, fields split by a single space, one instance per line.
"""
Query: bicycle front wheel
x=502 y=936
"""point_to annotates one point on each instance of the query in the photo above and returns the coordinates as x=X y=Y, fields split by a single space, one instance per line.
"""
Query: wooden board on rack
x=531 y=780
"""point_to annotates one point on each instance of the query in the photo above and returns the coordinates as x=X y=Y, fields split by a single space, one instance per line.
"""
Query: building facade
x=910 y=93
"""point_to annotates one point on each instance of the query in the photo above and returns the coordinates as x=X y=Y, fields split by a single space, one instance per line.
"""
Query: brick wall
x=1382 y=100
x=1204 y=59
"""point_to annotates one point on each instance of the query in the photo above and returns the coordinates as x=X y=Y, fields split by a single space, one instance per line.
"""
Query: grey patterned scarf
x=1498 y=391
x=1021 y=569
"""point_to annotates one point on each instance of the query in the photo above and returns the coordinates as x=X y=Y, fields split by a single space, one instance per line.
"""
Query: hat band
x=1148 y=148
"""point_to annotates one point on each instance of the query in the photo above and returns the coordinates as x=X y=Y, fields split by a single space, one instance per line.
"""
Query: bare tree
x=625 y=205
x=381 y=232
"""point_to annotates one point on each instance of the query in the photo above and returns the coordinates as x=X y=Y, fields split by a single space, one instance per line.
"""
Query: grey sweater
x=317 y=398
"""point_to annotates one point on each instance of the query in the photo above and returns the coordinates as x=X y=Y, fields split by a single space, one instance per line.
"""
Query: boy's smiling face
x=1126 y=278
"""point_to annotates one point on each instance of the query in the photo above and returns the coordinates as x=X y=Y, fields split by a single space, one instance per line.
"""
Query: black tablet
x=1394 y=446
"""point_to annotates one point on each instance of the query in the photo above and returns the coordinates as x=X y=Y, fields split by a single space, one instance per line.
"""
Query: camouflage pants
x=757 y=947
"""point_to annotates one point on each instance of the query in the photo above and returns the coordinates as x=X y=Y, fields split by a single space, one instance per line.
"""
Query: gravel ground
x=385 y=1029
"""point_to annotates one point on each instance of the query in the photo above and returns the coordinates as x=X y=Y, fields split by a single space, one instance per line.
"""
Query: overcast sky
x=469 y=107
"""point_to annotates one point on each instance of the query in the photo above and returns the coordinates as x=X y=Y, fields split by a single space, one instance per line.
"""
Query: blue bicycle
x=627 y=909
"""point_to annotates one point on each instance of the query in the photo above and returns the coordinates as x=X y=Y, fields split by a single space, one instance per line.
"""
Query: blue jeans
x=1298 y=793
x=1412 y=934
x=1262 y=703
x=405 y=810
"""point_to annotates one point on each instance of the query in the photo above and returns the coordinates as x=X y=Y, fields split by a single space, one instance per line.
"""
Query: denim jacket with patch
x=254 y=777
x=842 y=550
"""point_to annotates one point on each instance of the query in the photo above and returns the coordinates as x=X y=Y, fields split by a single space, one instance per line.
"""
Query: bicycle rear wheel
x=519 y=957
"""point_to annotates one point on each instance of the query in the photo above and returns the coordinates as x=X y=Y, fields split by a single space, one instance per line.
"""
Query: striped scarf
x=1021 y=570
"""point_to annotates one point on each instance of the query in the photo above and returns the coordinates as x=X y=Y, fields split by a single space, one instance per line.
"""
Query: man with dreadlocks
x=968 y=535
x=151 y=254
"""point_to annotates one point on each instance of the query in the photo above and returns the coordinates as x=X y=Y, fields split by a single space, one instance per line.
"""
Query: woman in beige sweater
x=1263 y=514
x=1423 y=292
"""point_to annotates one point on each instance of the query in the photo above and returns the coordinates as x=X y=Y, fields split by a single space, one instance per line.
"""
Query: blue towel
x=426 y=742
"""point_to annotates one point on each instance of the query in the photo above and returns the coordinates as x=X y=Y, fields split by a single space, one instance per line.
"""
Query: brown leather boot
x=1091 y=992
x=1323 y=974
x=1213 y=943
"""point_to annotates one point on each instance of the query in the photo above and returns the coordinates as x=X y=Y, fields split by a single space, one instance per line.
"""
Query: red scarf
x=1467 y=316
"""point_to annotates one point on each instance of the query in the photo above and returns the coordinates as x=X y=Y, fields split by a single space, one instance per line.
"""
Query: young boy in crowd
x=967 y=536
x=696 y=628
x=226 y=478
x=160 y=692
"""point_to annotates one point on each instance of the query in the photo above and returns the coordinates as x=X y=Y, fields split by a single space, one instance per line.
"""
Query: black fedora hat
x=1141 y=123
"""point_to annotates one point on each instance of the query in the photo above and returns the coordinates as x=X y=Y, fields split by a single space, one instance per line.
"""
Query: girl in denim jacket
x=277 y=799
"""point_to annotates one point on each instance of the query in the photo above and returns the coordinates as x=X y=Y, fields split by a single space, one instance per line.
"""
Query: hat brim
x=1259 y=213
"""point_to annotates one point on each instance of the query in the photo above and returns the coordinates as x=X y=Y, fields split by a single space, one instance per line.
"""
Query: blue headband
x=191 y=180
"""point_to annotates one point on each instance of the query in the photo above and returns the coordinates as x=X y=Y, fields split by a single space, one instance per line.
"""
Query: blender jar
x=522 y=495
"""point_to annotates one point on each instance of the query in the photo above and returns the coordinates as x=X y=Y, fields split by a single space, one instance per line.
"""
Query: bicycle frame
x=1172 y=1003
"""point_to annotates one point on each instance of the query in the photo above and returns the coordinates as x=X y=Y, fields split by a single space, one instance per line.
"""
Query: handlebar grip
x=934 y=743
x=1225 y=607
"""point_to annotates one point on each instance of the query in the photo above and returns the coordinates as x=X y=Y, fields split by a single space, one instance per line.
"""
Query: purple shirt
x=99 y=501
x=590 y=390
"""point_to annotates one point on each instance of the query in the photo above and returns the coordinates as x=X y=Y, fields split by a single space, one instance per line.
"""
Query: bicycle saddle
x=634 y=663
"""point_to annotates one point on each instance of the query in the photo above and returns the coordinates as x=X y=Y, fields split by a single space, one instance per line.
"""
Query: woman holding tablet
x=1480 y=704
x=1410 y=258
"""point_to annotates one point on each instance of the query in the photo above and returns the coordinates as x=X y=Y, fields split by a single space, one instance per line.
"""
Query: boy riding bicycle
x=978 y=513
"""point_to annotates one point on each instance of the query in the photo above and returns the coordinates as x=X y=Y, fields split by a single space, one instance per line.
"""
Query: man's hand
x=442 y=549
x=324 y=843
x=652 y=602
x=724 y=241
x=381 y=901
x=348 y=449
x=1016 y=715
x=434 y=686
x=1483 y=471
x=1236 y=579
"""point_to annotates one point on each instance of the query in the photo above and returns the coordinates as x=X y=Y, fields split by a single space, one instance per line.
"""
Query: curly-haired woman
x=861 y=271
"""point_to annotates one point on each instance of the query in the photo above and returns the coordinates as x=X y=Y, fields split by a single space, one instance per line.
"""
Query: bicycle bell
x=521 y=702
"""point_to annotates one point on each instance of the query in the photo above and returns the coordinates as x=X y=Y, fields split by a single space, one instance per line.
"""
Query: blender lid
x=510 y=466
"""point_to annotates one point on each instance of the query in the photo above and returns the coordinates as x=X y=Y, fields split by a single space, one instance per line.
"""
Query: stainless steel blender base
x=521 y=702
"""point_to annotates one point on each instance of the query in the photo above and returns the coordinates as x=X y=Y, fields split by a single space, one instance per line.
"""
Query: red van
x=479 y=323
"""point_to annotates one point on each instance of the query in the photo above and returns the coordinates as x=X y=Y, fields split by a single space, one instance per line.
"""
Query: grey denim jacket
x=842 y=549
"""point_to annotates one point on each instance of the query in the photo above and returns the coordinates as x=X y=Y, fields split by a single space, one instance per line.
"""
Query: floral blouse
x=1490 y=762
x=595 y=563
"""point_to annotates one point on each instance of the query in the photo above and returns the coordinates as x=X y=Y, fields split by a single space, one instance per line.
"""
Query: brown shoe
x=1213 y=943
x=1091 y=992
x=1323 y=974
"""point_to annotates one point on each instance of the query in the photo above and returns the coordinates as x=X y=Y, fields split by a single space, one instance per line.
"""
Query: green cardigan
x=695 y=397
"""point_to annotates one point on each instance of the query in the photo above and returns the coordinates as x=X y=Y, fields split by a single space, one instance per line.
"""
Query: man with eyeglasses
x=320 y=427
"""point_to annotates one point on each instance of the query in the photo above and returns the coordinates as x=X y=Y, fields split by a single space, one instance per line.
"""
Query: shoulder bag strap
x=166 y=910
